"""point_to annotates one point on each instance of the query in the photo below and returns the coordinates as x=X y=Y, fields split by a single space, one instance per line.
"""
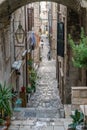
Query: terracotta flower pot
x=8 y=121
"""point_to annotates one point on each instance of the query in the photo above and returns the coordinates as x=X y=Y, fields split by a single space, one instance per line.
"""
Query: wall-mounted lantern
x=20 y=34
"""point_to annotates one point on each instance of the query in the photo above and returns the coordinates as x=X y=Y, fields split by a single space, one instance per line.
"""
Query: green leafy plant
x=77 y=118
x=29 y=89
x=5 y=100
x=32 y=78
x=30 y=64
x=1 y=121
x=79 y=50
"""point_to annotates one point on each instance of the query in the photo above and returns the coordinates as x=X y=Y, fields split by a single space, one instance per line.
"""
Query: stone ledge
x=79 y=95
x=79 y=88
x=79 y=101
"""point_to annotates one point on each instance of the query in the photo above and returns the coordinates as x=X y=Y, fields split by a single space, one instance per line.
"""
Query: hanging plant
x=79 y=57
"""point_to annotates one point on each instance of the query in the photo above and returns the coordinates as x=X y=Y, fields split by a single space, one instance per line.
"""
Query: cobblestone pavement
x=46 y=98
x=44 y=109
x=40 y=124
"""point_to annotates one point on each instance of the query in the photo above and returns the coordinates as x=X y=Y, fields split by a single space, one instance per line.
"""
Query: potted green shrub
x=5 y=102
x=30 y=64
x=33 y=78
x=79 y=50
x=82 y=126
x=29 y=89
x=77 y=118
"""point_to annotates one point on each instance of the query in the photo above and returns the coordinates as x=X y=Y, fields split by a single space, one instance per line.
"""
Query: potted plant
x=83 y=125
x=29 y=91
x=3 y=125
x=30 y=63
x=5 y=102
x=33 y=78
x=79 y=50
x=77 y=118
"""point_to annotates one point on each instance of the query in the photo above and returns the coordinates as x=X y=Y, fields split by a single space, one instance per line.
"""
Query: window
x=60 y=39
x=30 y=14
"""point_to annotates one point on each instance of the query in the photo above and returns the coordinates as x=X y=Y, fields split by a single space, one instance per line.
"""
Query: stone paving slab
x=59 y=128
x=40 y=124
x=39 y=113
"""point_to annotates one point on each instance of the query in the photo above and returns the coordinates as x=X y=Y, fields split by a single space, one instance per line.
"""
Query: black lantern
x=20 y=34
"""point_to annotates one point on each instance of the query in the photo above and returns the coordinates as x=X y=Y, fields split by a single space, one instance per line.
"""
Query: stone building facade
x=13 y=55
x=67 y=74
x=54 y=30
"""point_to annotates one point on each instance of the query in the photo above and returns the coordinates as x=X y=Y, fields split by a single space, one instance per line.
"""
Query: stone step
x=26 y=113
x=40 y=124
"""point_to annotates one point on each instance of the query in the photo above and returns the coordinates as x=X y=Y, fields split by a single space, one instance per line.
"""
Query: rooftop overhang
x=7 y=7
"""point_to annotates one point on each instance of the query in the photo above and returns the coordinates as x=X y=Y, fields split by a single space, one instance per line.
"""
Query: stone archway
x=9 y=6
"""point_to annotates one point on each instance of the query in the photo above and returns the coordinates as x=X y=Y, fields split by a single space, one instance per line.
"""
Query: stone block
x=48 y=128
x=57 y=123
x=79 y=101
x=79 y=95
x=58 y=127
x=75 y=94
x=83 y=94
x=24 y=128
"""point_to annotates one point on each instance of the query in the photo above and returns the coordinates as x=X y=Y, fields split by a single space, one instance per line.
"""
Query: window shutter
x=60 y=39
x=30 y=14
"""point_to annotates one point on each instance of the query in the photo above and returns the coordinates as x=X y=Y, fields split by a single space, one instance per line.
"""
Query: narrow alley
x=43 y=68
x=44 y=109
x=46 y=97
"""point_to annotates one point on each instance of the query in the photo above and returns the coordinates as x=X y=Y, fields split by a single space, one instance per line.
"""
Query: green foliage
x=1 y=121
x=29 y=89
x=78 y=118
x=30 y=63
x=33 y=77
x=79 y=51
x=5 y=100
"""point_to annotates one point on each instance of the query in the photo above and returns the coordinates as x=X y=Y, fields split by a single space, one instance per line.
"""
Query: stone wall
x=73 y=74
x=35 y=55
x=79 y=96
x=54 y=30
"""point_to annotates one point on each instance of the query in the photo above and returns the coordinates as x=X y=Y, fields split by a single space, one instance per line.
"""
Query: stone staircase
x=40 y=119
x=44 y=109
x=26 y=113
